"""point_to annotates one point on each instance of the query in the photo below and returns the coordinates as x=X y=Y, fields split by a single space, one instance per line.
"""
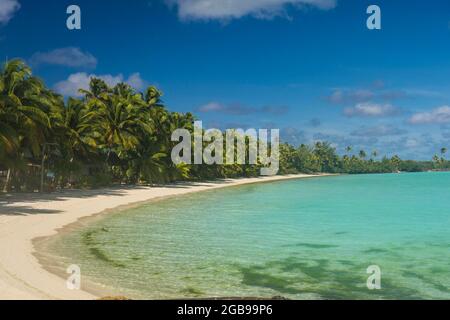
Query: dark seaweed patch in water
x=314 y=245
x=436 y=285
x=347 y=263
x=439 y=270
x=293 y=276
x=99 y=254
x=258 y=279
x=315 y=270
x=192 y=291
x=88 y=239
x=438 y=245
x=375 y=250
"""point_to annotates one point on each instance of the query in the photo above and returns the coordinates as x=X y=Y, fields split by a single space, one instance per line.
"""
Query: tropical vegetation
x=117 y=135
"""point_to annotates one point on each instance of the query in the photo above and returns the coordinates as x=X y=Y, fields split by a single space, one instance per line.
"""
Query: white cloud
x=211 y=107
x=69 y=57
x=439 y=115
x=136 y=81
x=234 y=9
x=233 y=109
x=81 y=80
x=7 y=10
x=371 y=110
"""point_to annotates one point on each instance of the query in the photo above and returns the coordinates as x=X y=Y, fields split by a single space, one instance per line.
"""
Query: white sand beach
x=27 y=217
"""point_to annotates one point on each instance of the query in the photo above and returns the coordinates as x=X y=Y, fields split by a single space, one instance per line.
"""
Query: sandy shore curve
x=26 y=217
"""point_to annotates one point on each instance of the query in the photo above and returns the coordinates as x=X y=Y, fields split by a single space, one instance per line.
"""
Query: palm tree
x=443 y=152
x=396 y=161
x=25 y=104
x=374 y=155
x=97 y=87
x=153 y=97
x=118 y=134
x=362 y=154
x=114 y=121
x=327 y=155
x=8 y=135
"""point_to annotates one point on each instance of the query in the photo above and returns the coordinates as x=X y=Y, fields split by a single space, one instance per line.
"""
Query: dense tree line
x=322 y=157
x=118 y=135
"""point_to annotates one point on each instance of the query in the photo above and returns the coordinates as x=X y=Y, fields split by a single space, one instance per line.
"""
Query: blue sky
x=308 y=67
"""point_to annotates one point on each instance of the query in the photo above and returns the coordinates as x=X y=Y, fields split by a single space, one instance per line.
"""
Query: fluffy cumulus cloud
x=416 y=146
x=7 y=10
x=81 y=80
x=373 y=110
x=439 y=115
x=135 y=80
x=211 y=107
x=69 y=57
x=234 y=9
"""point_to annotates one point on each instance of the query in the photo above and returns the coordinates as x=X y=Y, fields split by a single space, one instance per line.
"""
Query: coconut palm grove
x=117 y=135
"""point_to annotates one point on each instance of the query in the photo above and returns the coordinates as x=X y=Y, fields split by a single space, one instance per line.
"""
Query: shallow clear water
x=301 y=239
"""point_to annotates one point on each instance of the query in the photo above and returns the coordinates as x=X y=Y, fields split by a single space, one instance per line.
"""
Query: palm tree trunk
x=42 y=169
x=8 y=181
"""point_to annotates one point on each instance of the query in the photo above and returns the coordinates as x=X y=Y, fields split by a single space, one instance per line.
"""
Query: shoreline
x=27 y=218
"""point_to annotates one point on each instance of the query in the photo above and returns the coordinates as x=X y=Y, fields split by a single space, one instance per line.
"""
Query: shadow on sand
x=19 y=203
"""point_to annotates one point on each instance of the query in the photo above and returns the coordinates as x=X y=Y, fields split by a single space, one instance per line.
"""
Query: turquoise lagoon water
x=299 y=239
